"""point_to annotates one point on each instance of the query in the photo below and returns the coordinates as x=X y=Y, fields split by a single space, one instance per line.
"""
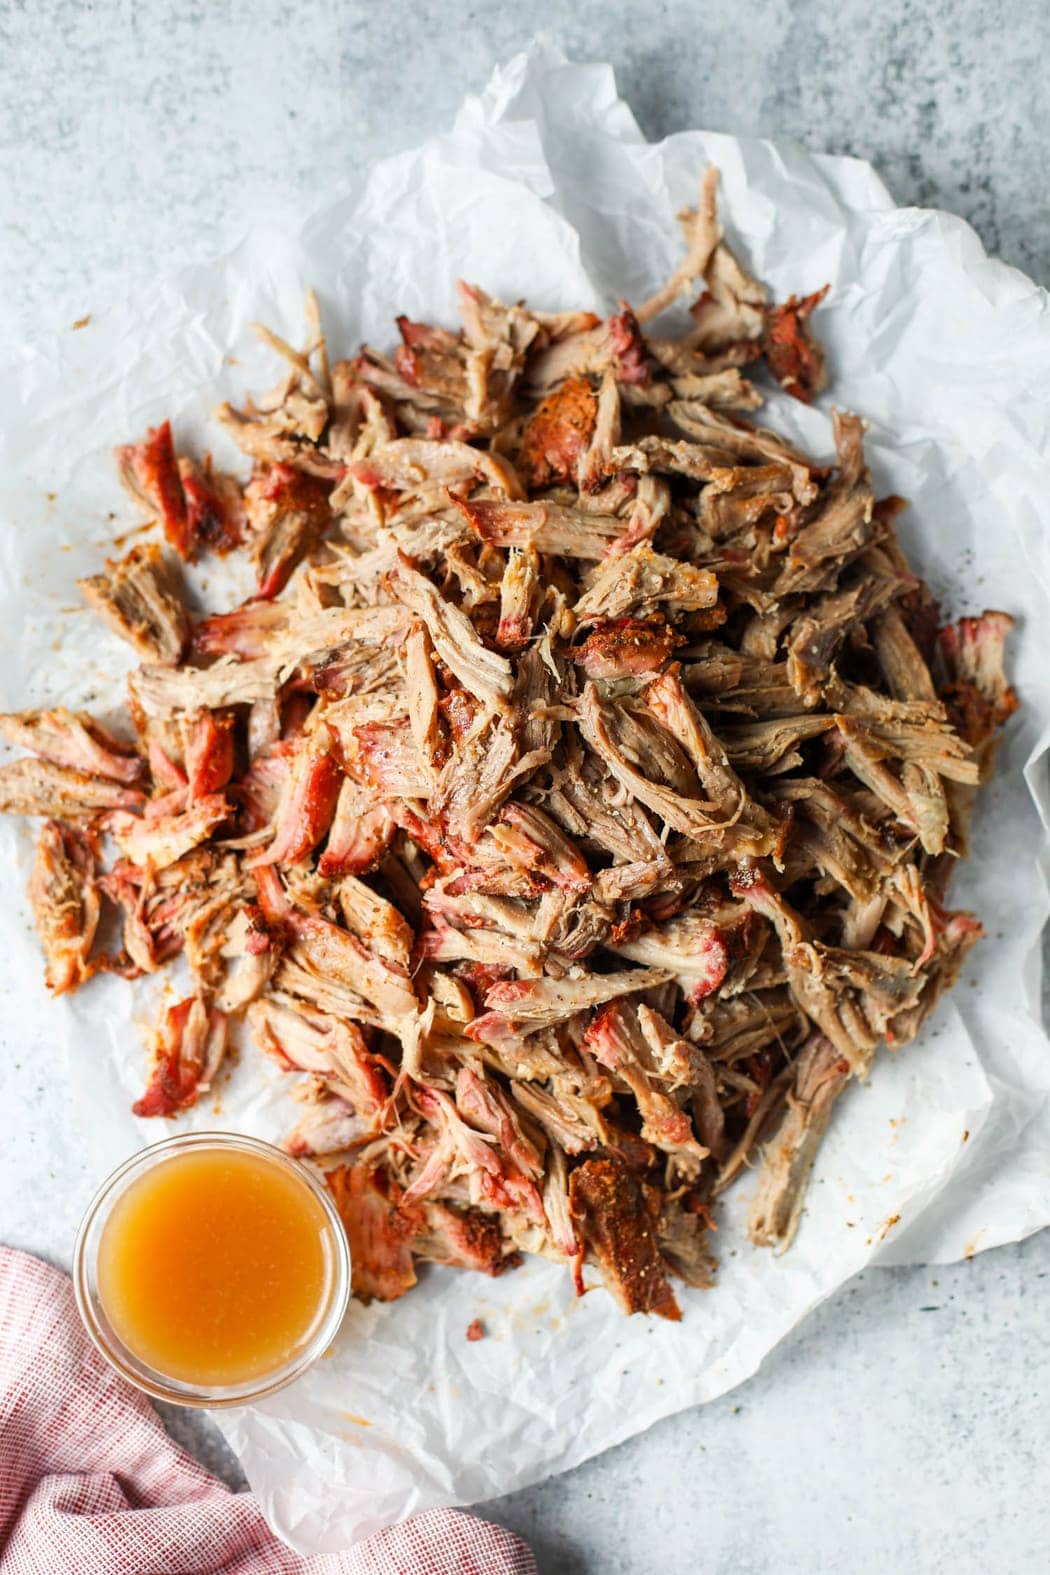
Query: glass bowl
x=132 y=1366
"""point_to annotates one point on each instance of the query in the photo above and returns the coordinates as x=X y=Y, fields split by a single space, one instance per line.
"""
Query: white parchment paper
x=546 y=188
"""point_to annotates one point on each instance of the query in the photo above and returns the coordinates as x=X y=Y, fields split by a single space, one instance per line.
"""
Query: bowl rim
x=121 y=1357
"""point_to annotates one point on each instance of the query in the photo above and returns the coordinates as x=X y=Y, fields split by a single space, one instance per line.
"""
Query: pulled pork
x=569 y=813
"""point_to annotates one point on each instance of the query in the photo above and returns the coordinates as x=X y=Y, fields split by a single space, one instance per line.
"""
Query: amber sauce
x=215 y=1266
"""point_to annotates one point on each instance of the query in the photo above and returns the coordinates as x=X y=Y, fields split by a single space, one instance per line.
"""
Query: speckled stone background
x=906 y=1427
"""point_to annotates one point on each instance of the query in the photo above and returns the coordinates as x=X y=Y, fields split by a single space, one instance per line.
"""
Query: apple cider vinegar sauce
x=212 y=1269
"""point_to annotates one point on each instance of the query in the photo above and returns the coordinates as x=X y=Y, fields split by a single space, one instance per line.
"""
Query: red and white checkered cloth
x=91 y=1484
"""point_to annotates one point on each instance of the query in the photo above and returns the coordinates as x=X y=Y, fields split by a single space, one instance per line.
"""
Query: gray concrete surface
x=905 y=1427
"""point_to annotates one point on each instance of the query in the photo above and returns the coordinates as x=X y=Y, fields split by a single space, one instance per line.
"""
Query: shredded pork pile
x=575 y=802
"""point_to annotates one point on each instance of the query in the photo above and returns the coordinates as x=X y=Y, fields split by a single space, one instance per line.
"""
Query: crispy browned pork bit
x=571 y=810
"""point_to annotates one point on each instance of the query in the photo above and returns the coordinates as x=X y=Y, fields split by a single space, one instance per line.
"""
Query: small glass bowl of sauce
x=211 y=1269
